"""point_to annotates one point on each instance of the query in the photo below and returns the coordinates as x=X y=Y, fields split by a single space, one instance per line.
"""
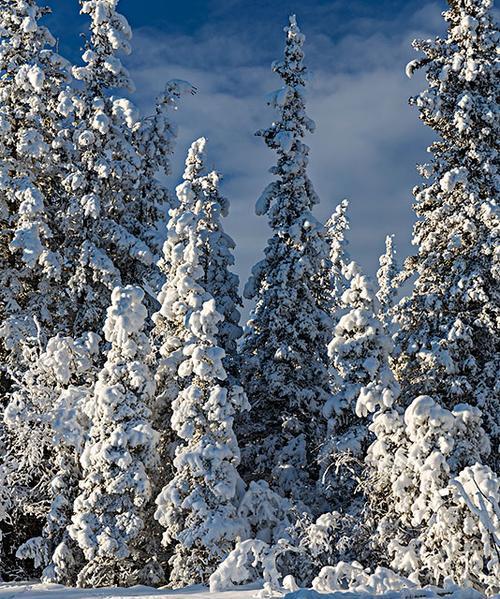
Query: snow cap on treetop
x=195 y=159
x=126 y=315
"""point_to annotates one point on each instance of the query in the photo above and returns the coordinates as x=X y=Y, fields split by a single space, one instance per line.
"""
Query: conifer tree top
x=126 y=315
x=289 y=102
x=110 y=35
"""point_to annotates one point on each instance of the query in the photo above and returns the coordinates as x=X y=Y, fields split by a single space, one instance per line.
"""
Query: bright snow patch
x=54 y=591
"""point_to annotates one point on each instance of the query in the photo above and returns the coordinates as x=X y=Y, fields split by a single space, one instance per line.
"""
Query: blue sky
x=368 y=139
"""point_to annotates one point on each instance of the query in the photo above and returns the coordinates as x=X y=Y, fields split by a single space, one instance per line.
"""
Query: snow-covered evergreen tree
x=336 y=280
x=151 y=146
x=169 y=333
x=449 y=325
x=433 y=503
x=284 y=350
x=120 y=454
x=41 y=482
x=359 y=352
x=387 y=279
x=105 y=216
x=198 y=199
x=197 y=507
x=32 y=77
x=436 y=507
x=336 y=229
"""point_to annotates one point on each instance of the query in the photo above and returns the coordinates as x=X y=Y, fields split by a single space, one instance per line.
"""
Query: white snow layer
x=55 y=591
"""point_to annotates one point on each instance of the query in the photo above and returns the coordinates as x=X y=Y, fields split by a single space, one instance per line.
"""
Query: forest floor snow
x=24 y=590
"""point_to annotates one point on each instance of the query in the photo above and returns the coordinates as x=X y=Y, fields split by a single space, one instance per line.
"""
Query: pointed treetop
x=294 y=37
x=336 y=228
x=110 y=35
x=292 y=64
x=195 y=159
x=360 y=293
x=289 y=101
x=293 y=31
x=387 y=277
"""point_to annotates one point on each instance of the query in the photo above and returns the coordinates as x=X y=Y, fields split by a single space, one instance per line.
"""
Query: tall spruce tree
x=31 y=263
x=337 y=281
x=431 y=499
x=152 y=140
x=197 y=507
x=284 y=349
x=198 y=198
x=107 y=218
x=449 y=332
x=33 y=77
x=120 y=454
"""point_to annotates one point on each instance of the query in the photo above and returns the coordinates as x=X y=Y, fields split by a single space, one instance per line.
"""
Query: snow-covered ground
x=24 y=590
